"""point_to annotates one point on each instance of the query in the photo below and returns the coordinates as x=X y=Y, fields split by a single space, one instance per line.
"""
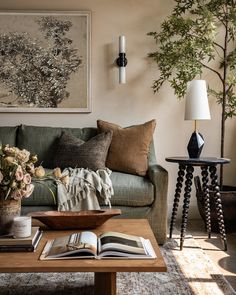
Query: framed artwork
x=45 y=61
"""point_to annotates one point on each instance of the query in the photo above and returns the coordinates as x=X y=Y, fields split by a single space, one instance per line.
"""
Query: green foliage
x=195 y=34
x=187 y=43
x=198 y=35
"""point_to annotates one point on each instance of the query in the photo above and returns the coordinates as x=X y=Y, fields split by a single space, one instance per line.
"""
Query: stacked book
x=11 y=244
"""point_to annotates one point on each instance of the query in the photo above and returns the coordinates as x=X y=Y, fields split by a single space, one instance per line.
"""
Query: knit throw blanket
x=81 y=193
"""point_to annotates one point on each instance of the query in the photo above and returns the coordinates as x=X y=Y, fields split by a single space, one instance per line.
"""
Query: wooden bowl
x=74 y=219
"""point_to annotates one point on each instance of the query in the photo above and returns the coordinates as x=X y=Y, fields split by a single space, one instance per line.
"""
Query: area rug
x=190 y=272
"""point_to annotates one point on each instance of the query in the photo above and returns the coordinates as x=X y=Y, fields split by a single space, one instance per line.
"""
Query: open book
x=110 y=245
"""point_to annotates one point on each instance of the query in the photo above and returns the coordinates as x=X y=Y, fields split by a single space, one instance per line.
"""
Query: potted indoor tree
x=200 y=35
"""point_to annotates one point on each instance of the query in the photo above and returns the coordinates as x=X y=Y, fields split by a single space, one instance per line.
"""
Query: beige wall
x=134 y=102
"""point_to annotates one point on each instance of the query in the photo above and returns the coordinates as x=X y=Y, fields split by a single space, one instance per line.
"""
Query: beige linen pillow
x=129 y=147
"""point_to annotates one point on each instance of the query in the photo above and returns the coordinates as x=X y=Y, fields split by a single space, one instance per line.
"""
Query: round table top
x=198 y=161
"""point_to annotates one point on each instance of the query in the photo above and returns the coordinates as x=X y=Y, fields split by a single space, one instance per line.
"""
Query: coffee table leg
x=105 y=283
x=178 y=189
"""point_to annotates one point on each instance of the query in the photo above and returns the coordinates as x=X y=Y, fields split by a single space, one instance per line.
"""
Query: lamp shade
x=196 y=106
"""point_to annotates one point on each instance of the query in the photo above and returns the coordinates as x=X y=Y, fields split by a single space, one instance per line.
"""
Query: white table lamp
x=196 y=108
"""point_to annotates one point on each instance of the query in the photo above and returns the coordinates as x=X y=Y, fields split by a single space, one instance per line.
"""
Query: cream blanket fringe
x=81 y=193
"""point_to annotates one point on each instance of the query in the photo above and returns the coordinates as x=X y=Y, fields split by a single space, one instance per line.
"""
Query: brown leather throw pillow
x=129 y=147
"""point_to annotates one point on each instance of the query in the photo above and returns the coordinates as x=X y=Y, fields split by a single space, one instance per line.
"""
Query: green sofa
x=136 y=196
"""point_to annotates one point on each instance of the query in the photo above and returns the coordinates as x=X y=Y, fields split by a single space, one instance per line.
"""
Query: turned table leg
x=187 y=195
x=178 y=189
x=206 y=196
x=105 y=283
x=218 y=205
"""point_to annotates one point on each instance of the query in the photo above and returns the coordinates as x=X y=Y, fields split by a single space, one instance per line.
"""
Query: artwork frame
x=46 y=61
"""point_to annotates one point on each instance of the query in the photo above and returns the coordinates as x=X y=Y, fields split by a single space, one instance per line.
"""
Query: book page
x=116 y=254
x=72 y=245
x=114 y=241
x=59 y=246
x=87 y=240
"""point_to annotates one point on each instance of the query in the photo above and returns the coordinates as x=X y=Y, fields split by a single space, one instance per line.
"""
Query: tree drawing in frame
x=45 y=62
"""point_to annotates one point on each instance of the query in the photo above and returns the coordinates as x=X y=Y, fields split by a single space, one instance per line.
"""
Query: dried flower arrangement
x=18 y=173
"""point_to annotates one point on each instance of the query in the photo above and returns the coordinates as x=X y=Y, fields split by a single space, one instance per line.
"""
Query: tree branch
x=214 y=71
x=217 y=52
x=229 y=88
x=218 y=45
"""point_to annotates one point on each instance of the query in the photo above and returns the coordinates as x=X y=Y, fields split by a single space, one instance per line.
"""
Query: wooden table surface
x=29 y=261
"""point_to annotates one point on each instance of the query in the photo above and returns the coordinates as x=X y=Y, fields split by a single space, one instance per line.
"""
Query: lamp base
x=195 y=145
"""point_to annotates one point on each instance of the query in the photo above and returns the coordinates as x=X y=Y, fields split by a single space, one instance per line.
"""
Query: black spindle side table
x=186 y=168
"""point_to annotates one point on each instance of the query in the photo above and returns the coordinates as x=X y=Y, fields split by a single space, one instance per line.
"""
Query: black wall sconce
x=121 y=61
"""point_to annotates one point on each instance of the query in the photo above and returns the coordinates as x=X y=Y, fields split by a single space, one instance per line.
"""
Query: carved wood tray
x=74 y=219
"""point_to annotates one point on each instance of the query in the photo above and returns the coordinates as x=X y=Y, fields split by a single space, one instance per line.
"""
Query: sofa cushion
x=8 y=135
x=129 y=148
x=131 y=190
x=41 y=195
x=74 y=152
x=40 y=140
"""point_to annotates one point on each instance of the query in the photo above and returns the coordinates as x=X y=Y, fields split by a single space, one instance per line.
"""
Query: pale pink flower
x=57 y=173
x=23 y=155
x=9 y=160
x=27 y=178
x=29 y=190
x=10 y=151
x=34 y=158
x=65 y=180
x=1 y=176
x=19 y=173
x=30 y=168
x=39 y=172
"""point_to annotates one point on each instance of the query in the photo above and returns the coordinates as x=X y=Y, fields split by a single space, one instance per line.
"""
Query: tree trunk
x=224 y=97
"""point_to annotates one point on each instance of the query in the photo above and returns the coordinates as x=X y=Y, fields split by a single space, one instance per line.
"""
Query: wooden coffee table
x=105 y=270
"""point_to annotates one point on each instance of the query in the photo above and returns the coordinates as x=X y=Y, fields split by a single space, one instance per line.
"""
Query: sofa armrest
x=159 y=178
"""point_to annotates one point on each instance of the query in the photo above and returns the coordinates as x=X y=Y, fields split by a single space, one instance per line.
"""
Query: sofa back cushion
x=41 y=140
x=8 y=135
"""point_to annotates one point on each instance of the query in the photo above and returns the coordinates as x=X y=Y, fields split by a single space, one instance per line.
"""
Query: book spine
x=36 y=242
x=22 y=248
x=39 y=232
x=16 y=249
x=21 y=241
